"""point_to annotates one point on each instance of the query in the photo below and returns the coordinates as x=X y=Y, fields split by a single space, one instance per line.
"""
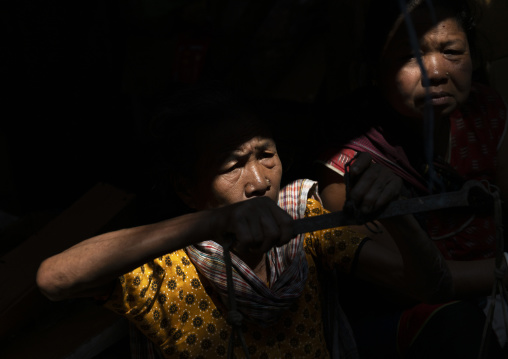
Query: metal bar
x=473 y=195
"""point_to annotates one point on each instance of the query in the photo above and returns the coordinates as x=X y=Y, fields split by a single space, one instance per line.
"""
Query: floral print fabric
x=176 y=308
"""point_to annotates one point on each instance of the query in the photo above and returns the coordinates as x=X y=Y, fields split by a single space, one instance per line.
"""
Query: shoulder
x=487 y=100
x=484 y=111
x=156 y=281
x=149 y=276
x=336 y=159
x=293 y=196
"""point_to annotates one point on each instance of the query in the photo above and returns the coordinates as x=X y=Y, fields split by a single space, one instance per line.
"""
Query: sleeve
x=336 y=159
x=137 y=292
x=335 y=248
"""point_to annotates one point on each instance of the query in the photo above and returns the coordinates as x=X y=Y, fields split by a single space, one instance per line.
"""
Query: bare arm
x=383 y=266
x=380 y=261
x=392 y=261
x=401 y=257
x=90 y=267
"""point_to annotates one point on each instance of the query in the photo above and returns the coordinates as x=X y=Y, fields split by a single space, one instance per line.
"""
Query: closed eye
x=266 y=154
x=268 y=159
x=228 y=169
x=230 y=166
x=454 y=48
x=452 y=53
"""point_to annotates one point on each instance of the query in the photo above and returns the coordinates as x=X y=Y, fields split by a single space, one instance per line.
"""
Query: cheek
x=223 y=192
x=407 y=81
x=212 y=193
x=400 y=86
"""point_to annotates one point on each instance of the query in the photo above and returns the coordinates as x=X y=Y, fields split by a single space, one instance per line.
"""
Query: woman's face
x=445 y=54
x=239 y=164
x=251 y=170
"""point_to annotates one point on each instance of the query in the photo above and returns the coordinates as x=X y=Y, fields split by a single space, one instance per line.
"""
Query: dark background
x=79 y=80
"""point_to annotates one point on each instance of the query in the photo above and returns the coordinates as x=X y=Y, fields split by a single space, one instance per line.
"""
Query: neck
x=441 y=137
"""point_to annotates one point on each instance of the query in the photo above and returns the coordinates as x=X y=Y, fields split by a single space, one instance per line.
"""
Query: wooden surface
x=31 y=326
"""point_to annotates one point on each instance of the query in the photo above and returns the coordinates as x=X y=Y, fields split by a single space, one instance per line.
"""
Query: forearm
x=88 y=267
x=425 y=272
x=472 y=278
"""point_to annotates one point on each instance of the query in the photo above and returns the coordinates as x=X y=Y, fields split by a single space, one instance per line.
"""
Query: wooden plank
x=102 y=208
x=75 y=329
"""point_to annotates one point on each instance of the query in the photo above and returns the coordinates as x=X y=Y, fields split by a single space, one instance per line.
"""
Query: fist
x=257 y=225
x=371 y=185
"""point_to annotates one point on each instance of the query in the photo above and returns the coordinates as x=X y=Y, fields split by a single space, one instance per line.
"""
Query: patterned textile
x=476 y=130
x=140 y=347
x=288 y=267
x=412 y=322
x=179 y=310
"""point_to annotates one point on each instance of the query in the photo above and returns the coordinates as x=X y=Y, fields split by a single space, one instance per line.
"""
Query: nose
x=256 y=183
x=436 y=69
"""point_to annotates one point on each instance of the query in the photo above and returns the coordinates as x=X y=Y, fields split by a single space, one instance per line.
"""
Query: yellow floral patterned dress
x=175 y=307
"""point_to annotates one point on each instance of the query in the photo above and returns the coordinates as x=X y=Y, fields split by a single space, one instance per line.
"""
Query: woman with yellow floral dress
x=169 y=278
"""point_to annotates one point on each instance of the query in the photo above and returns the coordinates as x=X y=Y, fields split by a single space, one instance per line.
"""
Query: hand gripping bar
x=472 y=194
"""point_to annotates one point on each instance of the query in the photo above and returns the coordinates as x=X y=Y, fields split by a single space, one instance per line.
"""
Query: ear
x=185 y=191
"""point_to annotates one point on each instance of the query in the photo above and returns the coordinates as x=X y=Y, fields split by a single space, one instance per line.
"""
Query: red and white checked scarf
x=287 y=265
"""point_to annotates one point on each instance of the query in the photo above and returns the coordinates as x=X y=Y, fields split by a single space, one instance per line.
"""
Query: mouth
x=439 y=98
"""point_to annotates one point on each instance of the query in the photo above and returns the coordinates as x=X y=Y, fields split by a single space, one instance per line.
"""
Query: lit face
x=445 y=54
x=249 y=170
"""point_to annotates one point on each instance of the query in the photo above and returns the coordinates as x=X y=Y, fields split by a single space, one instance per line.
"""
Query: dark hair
x=383 y=14
x=185 y=120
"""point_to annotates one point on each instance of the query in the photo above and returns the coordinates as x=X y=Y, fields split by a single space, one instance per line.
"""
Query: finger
x=277 y=227
x=285 y=225
x=376 y=188
x=255 y=221
x=243 y=234
x=362 y=161
x=363 y=192
x=390 y=192
x=376 y=197
x=272 y=231
x=271 y=234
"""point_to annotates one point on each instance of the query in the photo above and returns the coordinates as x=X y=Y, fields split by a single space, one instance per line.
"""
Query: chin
x=443 y=113
x=438 y=111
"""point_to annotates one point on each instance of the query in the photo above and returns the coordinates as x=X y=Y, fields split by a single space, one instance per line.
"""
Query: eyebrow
x=265 y=144
x=260 y=147
x=454 y=41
